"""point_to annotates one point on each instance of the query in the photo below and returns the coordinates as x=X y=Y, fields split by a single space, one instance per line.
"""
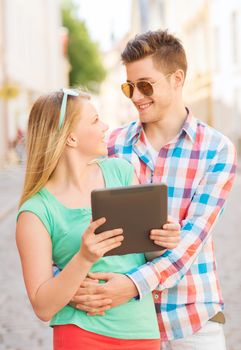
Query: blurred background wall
x=32 y=61
x=211 y=34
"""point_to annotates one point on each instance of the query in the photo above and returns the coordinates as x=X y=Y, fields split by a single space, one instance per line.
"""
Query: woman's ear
x=71 y=140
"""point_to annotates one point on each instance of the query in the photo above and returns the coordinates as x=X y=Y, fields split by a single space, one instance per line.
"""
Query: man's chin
x=146 y=118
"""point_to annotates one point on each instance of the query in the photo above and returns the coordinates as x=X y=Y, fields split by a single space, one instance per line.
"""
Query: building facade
x=210 y=31
x=211 y=34
x=32 y=61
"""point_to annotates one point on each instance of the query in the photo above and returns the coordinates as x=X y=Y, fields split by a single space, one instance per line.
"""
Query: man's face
x=151 y=108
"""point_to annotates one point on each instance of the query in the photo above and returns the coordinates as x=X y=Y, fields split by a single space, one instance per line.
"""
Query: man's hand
x=95 y=298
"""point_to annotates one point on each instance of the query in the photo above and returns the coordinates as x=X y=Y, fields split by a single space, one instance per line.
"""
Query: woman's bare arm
x=49 y=294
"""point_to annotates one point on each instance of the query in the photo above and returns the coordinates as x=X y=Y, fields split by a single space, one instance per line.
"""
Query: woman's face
x=90 y=132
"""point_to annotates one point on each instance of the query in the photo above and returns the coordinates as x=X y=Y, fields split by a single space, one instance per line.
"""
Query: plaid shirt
x=199 y=168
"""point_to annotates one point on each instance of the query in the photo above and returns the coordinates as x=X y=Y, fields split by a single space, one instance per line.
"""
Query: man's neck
x=166 y=129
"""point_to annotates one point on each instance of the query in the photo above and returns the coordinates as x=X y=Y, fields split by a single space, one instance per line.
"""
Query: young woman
x=65 y=136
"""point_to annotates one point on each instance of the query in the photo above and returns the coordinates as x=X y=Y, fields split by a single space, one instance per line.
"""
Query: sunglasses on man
x=144 y=86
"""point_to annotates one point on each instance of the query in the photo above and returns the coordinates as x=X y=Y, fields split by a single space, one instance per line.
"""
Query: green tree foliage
x=87 y=69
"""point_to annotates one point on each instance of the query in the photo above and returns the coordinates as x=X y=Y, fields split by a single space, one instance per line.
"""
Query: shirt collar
x=189 y=127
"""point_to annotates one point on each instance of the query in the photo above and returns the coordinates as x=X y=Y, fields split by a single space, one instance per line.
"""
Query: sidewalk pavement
x=11 y=182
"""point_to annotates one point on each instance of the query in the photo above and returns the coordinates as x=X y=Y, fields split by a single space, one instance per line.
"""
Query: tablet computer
x=136 y=209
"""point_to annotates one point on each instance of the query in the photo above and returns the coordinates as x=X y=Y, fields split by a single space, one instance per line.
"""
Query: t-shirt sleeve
x=36 y=206
x=124 y=170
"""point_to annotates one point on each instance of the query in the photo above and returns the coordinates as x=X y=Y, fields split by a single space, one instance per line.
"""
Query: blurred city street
x=21 y=330
x=48 y=45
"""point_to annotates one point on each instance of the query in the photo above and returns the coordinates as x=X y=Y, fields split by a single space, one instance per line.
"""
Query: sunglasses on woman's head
x=67 y=92
x=144 y=86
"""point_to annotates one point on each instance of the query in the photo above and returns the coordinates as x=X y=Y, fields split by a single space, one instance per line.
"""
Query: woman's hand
x=169 y=236
x=94 y=246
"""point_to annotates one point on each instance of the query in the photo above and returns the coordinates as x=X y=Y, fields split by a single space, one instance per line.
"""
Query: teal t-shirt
x=134 y=320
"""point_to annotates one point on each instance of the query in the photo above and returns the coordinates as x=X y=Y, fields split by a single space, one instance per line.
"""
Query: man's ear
x=71 y=140
x=179 y=78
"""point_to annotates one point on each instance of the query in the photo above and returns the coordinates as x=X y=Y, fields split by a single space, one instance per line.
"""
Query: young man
x=168 y=144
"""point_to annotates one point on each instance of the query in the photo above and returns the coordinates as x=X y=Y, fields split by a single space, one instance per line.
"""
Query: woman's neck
x=71 y=173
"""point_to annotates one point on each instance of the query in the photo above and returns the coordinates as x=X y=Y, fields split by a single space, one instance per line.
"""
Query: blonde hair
x=45 y=141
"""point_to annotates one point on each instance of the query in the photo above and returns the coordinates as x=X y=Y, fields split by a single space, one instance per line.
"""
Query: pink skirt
x=71 y=337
